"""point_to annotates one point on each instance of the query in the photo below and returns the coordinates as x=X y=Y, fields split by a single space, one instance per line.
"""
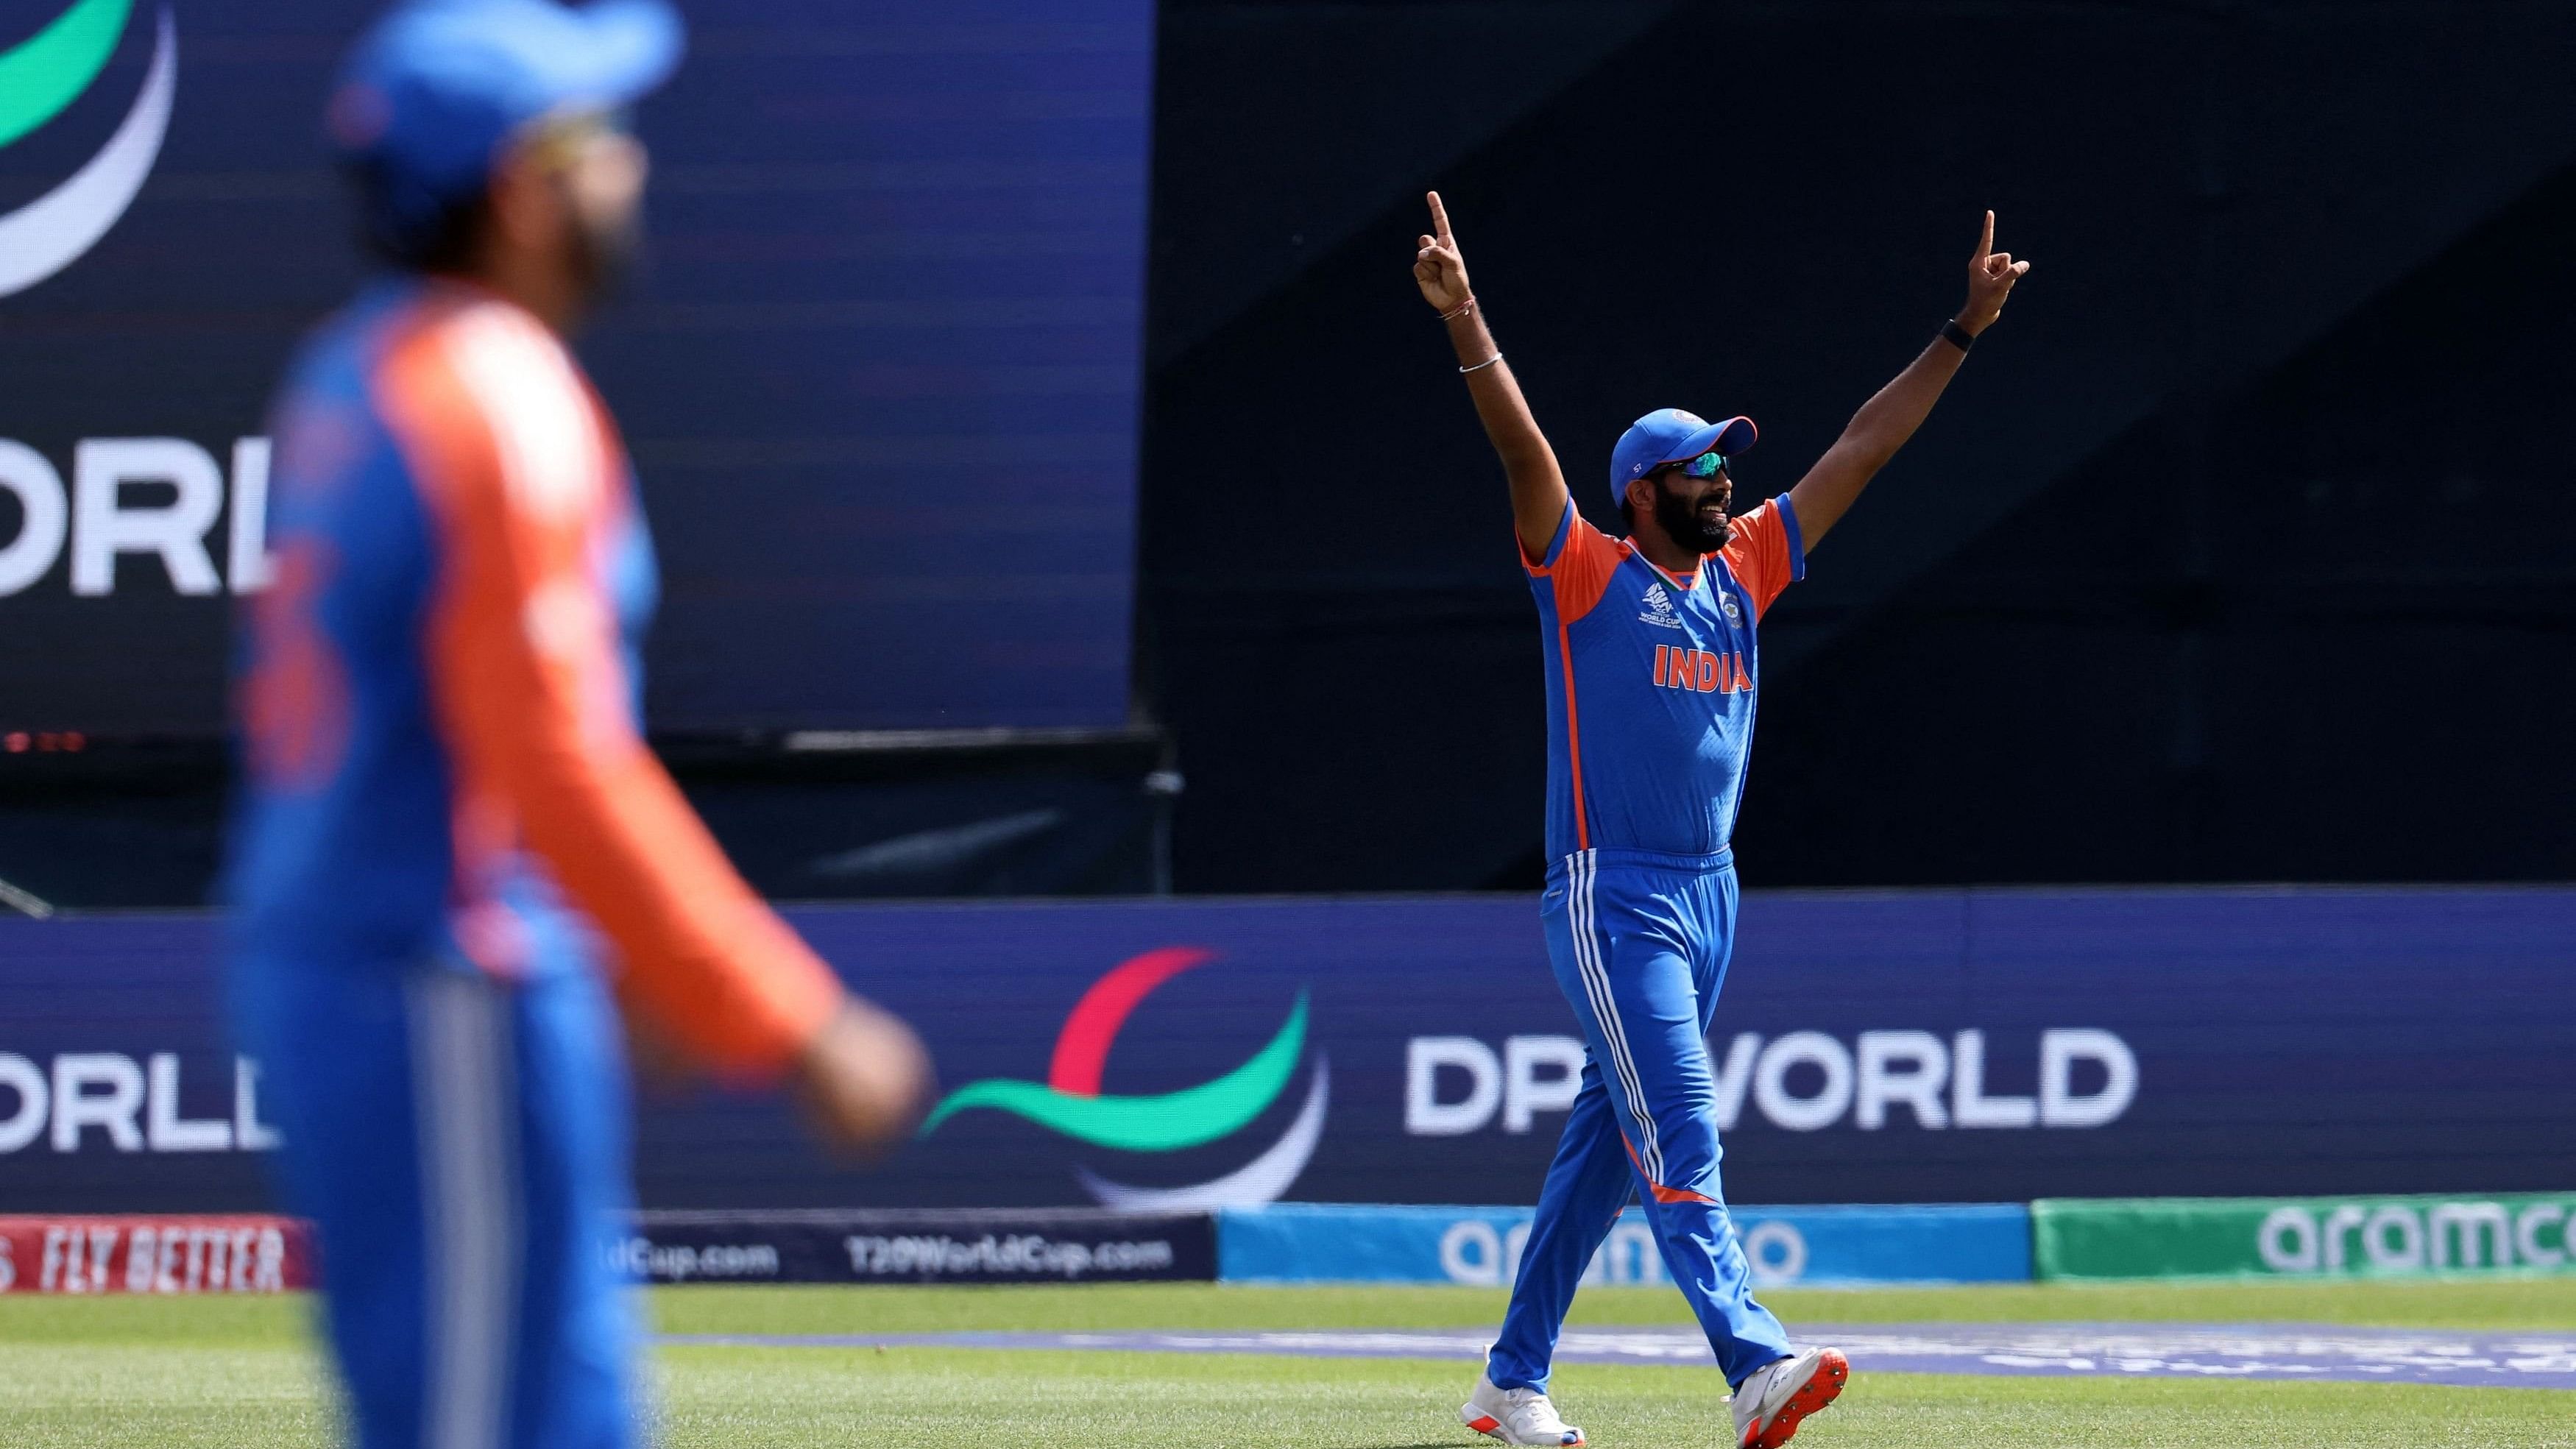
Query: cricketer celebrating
x=1652 y=671
x=452 y=842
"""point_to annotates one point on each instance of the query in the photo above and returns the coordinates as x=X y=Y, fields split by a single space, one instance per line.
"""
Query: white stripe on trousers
x=464 y=1077
x=1605 y=1009
x=1584 y=872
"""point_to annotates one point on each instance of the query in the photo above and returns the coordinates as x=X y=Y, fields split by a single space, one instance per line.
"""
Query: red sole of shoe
x=1832 y=1370
x=1491 y=1427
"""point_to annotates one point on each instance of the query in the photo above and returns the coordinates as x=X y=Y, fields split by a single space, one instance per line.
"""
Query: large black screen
x=880 y=375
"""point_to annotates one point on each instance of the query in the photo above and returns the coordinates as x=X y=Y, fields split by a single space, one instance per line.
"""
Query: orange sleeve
x=1579 y=563
x=1766 y=554
x=519 y=473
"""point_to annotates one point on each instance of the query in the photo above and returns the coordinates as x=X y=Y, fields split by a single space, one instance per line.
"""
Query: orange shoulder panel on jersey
x=517 y=473
x=1578 y=566
x=1764 y=555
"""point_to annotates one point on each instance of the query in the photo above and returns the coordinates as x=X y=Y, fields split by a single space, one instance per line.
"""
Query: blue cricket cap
x=430 y=98
x=1669 y=435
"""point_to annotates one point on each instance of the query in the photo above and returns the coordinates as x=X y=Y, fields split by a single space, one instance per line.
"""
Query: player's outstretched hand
x=863 y=1077
x=1437 y=268
x=1991 y=275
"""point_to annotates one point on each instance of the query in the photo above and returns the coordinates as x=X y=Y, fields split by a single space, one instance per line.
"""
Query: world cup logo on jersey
x=1659 y=609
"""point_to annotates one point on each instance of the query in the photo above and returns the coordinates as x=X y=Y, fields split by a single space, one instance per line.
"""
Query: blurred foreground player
x=1651 y=671
x=452 y=843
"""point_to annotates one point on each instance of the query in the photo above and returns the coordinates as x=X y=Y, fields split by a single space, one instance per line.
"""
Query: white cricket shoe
x=1773 y=1398
x=1516 y=1416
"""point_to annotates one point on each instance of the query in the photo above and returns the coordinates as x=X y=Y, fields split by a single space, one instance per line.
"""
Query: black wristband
x=1960 y=337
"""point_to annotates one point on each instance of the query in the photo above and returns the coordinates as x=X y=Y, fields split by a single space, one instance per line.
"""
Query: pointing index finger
x=1439 y=217
x=1986 y=239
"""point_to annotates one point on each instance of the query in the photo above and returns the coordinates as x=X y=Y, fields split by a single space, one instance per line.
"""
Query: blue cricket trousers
x=461 y=1145
x=1639 y=942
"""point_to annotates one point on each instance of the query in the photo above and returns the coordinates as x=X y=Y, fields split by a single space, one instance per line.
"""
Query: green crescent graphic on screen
x=1070 y=1101
x=39 y=78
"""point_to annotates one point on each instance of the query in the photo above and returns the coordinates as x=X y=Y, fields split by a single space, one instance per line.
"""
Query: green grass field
x=243 y=1372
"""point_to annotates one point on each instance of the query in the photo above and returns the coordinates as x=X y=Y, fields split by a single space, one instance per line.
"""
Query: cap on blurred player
x=1669 y=435
x=432 y=97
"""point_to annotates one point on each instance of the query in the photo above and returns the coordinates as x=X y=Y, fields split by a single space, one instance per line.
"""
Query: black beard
x=1680 y=520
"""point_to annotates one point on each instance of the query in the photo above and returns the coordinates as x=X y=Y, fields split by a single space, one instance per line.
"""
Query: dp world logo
x=1070 y=1101
x=38 y=79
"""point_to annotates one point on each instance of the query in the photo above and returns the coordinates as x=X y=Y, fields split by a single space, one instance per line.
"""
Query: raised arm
x=1884 y=422
x=1529 y=464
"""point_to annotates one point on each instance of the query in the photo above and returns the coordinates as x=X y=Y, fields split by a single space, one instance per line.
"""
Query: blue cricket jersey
x=443 y=763
x=1651 y=682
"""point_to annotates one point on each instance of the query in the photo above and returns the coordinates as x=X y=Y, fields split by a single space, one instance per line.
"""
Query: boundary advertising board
x=169 y=1256
x=1481 y=1246
x=2329 y=1237
x=1181 y=1056
x=958 y=1245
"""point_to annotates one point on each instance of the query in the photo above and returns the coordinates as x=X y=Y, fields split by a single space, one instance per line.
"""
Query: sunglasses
x=1706 y=465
